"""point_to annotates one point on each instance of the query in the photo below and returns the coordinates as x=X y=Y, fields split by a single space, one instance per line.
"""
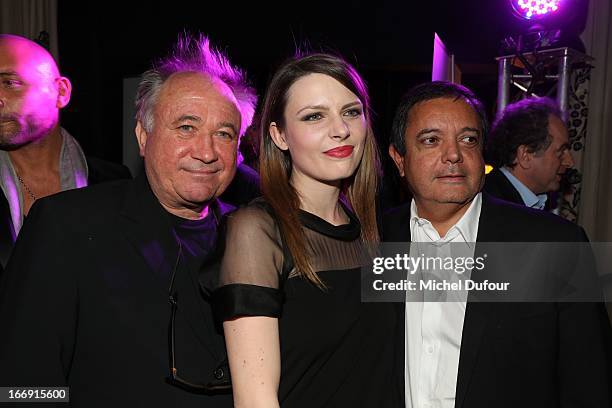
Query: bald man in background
x=37 y=156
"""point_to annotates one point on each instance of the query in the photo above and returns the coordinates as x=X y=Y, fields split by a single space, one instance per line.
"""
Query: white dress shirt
x=434 y=329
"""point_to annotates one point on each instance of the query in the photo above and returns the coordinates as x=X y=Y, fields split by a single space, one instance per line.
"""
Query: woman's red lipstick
x=340 y=152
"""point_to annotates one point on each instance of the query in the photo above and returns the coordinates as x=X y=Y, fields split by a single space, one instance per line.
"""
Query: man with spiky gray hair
x=114 y=303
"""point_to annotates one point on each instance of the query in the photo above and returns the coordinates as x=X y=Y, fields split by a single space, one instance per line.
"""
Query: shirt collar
x=530 y=199
x=72 y=170
x=467 y=226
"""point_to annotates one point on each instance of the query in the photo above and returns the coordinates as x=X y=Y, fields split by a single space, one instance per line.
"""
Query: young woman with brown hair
x=296 y=331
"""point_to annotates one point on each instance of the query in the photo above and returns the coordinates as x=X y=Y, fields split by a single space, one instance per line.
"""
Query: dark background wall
x=389 y=41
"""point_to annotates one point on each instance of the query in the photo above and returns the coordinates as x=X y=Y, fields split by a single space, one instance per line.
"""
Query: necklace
x=27 y=189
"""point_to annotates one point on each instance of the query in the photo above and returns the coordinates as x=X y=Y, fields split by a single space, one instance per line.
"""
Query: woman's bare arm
x=254 y=357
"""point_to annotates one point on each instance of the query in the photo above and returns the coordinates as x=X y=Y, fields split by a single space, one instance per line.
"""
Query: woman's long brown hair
x=275 y=164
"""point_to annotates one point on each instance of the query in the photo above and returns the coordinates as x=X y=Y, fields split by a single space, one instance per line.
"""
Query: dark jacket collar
x=147 y=226
x=396 y=222
x=498 y=185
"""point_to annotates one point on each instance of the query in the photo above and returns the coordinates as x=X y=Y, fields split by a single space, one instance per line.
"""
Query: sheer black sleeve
x=250 y=273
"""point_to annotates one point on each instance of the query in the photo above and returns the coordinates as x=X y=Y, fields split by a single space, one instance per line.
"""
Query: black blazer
x=84 y=302
x=526 y=354
x=99 y=171
x=498 y=185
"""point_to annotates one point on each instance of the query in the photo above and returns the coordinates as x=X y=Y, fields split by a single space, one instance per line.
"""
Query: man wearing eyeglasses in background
x=102 y=293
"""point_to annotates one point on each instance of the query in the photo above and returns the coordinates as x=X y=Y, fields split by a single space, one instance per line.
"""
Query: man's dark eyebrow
x=8 y=73
x=191 y=118
x=427 y=130
x=435 y=130
x=229 y=125
x=470 y=129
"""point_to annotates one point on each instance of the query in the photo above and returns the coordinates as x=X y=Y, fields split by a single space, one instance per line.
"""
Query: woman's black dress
x=335 y=350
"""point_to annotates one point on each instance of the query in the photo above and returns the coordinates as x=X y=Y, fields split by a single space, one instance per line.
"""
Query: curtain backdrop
x=596 y=197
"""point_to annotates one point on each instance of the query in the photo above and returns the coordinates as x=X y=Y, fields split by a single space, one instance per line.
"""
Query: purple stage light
x=535 y=9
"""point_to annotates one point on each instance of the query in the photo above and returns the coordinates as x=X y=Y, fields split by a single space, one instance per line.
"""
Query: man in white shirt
x=468 y=354
x=529 y=147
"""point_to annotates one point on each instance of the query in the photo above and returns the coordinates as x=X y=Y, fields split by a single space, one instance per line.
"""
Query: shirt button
x=429 y=349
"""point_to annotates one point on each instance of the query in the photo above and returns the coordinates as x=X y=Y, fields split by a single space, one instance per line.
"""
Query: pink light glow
x=535 y=8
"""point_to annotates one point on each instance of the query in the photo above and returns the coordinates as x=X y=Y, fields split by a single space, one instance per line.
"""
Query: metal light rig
x=547 y=72
x=534 y=67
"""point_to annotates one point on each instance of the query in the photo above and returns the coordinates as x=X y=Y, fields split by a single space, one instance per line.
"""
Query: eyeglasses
x=221 y=374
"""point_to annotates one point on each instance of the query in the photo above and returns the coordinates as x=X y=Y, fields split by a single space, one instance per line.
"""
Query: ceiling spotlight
x=535 y=9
